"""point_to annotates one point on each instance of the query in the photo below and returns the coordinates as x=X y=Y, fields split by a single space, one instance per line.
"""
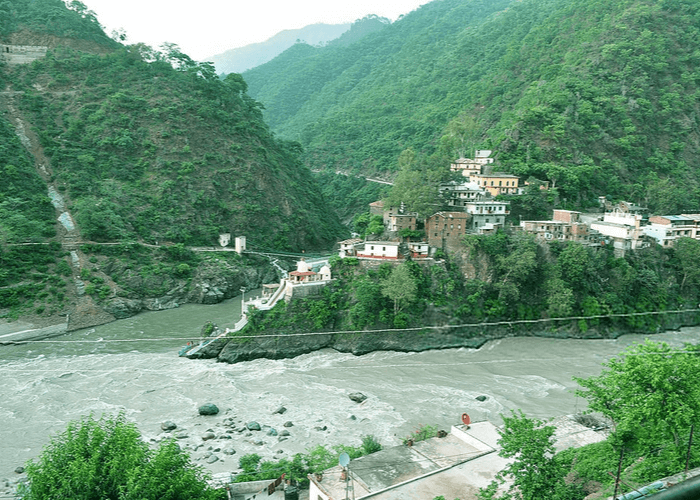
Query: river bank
x=276 y=345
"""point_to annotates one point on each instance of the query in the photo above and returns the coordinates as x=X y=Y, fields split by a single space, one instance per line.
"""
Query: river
x=132 y=365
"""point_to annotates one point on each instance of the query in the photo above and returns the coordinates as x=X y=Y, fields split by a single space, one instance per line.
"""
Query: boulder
x=271 y=432
x=288 y=424
x=120 y=307
x=208 y=435
x=229 y=451
x=357 y=397
x=279 y=410
x=168 y=426
x=212 y=459
x=481 y=398
x=19 y=470
x=253 y=426
x=285 y=432
x=208 y=409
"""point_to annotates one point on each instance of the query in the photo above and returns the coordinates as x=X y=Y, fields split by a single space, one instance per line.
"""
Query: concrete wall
x=304 y=290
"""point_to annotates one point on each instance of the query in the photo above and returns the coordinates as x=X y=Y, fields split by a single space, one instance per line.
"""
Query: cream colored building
x=498 y=183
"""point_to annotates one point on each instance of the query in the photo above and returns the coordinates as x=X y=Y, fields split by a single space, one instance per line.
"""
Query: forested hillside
x=142 y=147
x=598 y=97
x=151 y=145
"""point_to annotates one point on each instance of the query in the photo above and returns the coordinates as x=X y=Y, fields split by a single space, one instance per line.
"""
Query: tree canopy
x=106 y=459
x=650 y=392
x=595 y=96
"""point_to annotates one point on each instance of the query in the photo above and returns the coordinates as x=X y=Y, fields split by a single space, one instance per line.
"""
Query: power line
x=508 y=323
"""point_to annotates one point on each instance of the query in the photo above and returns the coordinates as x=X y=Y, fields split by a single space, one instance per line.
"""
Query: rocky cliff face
x=214 y=281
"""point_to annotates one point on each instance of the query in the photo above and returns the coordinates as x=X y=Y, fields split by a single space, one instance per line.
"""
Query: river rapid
x=132 y=365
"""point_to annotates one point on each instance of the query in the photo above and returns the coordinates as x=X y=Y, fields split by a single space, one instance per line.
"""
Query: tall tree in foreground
x=107 y=460
x=651 y=392
x=534 y=473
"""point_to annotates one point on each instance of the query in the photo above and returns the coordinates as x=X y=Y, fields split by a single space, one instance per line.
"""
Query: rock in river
x=357 y=397
x=208 y=409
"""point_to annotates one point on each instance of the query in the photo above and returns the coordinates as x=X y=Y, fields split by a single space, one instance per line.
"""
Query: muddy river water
x=132 y=365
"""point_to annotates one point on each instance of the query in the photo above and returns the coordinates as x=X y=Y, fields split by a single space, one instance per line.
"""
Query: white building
x=459 y=194
x=666 y=229
x=473 y=166
x=380 y=250
x=624 y=229
x=306 y=274
x=419 y=250
x=487 y=215
x=348 y=248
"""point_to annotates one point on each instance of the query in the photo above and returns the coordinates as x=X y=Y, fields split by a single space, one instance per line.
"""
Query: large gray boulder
x=208 y=409
x=357 y=397
x=168 y=426
x=253 y=426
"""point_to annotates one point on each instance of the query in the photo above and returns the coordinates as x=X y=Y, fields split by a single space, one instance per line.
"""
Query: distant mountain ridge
x=244 y=58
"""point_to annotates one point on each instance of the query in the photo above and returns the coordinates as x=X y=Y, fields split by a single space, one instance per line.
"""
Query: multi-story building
x=472 y=166
x=456 y=194
x=666 y=229
x=348 y=248
x=498 y=183
x=445 y=230
x=623 y=229
x=398 y=222
x=487 y=215
x=565 y=225
x=418 y=249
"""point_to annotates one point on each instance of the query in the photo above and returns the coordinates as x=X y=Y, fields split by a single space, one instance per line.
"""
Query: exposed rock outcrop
x=233 y=350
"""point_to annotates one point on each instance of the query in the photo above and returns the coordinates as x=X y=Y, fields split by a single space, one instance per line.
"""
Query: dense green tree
x=106 y=459
x=534 y=473
x=416 y=184
x=687 y=252
x=400 y=287
x=651 y=392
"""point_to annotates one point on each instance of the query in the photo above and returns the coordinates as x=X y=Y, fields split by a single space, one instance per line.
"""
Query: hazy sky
x=203 y=28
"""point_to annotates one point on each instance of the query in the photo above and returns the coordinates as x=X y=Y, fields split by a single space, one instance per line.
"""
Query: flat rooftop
x=455 y=466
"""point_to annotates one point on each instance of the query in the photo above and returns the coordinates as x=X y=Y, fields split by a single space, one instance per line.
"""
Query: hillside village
x=473 y=206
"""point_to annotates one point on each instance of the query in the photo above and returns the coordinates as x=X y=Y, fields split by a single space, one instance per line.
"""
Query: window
x=383 y=249
x=500 y=183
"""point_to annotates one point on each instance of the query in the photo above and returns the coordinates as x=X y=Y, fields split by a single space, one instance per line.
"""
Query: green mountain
x=149 y=151
x=598 y=97
x=154 y=146
x=249 y=56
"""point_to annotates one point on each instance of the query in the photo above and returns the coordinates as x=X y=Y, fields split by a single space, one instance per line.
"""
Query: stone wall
x=22 y=54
